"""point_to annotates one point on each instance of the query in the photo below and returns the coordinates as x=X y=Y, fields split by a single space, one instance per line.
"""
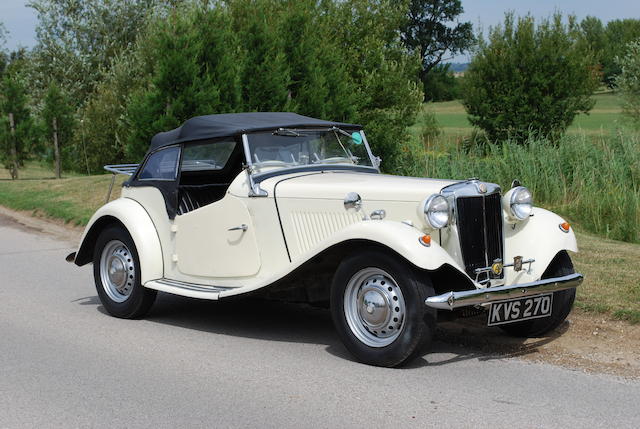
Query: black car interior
x=200 y=187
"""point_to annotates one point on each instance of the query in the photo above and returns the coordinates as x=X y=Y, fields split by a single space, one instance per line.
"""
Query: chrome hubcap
x=117 y=271
x=374 y=307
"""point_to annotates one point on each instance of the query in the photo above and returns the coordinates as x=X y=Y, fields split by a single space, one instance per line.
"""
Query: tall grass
x=594 y=181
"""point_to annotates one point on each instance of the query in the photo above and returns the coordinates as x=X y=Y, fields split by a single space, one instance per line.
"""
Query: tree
x=387 y=97
x=58 y=123
x=619 y=33
x=529 y=78
x=441 y=84
x=3 y=53
x=16 y=124
x=338 y=60
x=78 y=38
x=629 y=81
x=431 y=29
x=188 y=65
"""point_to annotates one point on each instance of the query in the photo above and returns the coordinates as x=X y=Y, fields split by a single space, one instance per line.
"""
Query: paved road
x=65 y=363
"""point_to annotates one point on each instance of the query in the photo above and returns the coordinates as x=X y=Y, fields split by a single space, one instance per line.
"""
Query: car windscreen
x=207 y=156
x=286 y=148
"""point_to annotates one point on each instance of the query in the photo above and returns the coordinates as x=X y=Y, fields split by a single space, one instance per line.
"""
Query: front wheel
x=562 y=303
x=116 y=271
x=377 y=306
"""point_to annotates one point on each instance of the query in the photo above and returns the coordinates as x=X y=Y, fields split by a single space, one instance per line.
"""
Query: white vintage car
x=290 y=207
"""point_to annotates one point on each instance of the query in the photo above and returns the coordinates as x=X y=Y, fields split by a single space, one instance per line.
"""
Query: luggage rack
x=126 y=169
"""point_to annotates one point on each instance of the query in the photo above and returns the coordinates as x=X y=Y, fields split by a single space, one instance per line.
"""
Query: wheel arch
x=311 y=281
x=133 y=218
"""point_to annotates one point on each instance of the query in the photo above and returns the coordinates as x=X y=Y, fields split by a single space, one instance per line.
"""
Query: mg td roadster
x=284 y=206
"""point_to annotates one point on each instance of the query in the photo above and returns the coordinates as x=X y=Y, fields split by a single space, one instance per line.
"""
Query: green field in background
x=604 y=117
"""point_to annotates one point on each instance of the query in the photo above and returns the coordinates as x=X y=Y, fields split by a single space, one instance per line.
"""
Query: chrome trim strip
x=451 y=300
x=192 y=286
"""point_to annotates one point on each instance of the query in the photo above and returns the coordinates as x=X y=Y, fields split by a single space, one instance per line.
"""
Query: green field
x=604 y=117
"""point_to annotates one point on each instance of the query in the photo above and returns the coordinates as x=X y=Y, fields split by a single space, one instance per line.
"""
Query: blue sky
x=21 y=21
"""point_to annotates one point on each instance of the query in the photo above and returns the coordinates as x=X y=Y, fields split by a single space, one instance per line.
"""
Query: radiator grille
x=479 y=220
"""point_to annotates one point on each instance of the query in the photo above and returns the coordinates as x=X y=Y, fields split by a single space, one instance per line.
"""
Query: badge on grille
x=482 y=188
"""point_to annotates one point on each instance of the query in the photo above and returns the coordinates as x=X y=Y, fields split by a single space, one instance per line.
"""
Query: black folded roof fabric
x=232 y=124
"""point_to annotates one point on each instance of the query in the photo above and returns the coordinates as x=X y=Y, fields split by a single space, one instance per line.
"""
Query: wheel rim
x=117 y=270
x=374 y=307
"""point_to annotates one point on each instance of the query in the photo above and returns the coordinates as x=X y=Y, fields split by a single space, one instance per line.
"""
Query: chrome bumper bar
x=451 y=300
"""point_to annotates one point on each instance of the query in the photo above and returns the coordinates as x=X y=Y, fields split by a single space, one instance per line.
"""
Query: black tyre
x=561 y=307
x=377 y=306
x=116 y=270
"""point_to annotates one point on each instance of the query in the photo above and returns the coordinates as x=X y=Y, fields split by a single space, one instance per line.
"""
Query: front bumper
x=452 y=300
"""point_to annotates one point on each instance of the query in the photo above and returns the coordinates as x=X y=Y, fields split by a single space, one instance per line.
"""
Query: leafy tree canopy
x=340 y=60
x=609 y=42
x=529 y=78
x=629 y=80
x=432 y=30
x=78 y=38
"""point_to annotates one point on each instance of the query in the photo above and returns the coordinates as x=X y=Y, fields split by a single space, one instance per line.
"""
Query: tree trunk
x=56 y=149
x=14 y=149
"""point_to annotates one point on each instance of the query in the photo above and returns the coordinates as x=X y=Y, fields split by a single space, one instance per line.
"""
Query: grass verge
x=72 y=199
x=612 y=284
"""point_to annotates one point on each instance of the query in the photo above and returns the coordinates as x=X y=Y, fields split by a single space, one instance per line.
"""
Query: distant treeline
x=106 y=75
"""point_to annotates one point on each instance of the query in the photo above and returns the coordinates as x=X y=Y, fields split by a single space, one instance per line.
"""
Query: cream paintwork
x=142 y=230
x=538 y=237
x=313 y=221
x=378 y=187
x=207 y=247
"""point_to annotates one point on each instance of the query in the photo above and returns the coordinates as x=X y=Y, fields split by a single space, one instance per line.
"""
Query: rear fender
x=134 y=218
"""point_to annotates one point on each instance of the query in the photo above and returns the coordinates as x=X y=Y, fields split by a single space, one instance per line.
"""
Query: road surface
x=65 y=363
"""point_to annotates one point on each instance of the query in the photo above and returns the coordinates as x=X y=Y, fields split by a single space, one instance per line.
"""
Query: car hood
x=336 y=184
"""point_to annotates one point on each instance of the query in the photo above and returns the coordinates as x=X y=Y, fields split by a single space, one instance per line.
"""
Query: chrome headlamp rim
x=428 y=213
x=515 y=205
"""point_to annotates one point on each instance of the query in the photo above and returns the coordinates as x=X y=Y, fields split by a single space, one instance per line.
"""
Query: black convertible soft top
x=232 y=124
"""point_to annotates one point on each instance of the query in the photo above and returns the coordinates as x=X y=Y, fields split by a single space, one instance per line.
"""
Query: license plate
x=516 y=310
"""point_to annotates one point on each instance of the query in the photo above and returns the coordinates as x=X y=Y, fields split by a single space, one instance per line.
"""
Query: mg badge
x=482 y=188
x=497 y=267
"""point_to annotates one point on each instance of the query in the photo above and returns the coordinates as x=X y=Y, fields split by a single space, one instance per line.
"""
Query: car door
x=217 y=240
x=214 y=233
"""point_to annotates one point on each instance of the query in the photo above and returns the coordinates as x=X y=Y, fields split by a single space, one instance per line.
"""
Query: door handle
x=242 y=228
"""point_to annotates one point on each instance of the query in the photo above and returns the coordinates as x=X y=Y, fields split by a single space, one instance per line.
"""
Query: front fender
x=400 y=237
x=135 y=219
x=540 y=238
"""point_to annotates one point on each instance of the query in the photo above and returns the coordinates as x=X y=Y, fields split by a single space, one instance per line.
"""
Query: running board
x=192 y=290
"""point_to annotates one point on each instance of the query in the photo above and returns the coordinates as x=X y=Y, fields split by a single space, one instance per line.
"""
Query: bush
x=595 y=182
x=629 y=81
x=429 y=128
x=529 y=78
x=441 y=85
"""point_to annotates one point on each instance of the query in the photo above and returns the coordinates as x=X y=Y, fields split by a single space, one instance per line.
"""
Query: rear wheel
x=377 y=305
x=116 y=271
x=562 y=303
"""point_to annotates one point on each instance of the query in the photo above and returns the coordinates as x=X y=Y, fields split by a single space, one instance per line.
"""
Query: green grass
x=592 y=180
x=612 y=284
x=72 y=199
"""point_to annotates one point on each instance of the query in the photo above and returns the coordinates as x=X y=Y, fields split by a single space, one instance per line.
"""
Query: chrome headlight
x=436 y=211
x=521 y=203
